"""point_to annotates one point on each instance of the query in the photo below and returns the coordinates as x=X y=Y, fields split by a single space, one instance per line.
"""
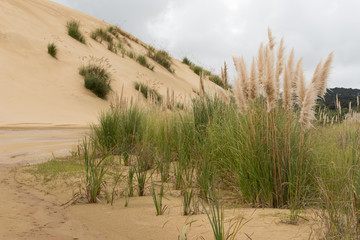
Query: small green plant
x=142 y=60
x=52 y=50
x=96 y=79
x=74 y=32
x=215 y=215
x=217 y=80
x=141 y=170
x=97 y=85
x=95 y=170
x=187 y=61
x=130 y=181
x=114 y=31
x=131 y=54
x=127 y=198
x=148 y=92
x=188 y=191
x=157 y=197
x=100 y=35
x=163 y=58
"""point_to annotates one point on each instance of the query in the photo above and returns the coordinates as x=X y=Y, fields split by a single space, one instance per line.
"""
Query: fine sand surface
x=31 y=145
x=31 y=211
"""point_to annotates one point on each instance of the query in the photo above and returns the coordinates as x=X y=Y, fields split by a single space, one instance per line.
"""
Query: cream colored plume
x=279 y=64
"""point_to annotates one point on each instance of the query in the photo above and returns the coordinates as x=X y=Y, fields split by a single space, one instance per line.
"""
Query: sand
x=29 y=210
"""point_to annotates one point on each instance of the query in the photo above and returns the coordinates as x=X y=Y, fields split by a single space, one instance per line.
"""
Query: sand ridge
x=35 y=88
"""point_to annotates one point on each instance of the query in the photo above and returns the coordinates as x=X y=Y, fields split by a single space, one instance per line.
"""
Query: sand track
x=26 y=213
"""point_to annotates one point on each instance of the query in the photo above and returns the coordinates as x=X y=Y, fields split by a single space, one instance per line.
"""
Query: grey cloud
x=210 y=32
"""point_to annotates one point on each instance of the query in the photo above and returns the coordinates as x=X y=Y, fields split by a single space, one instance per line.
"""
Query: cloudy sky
x=210 y=32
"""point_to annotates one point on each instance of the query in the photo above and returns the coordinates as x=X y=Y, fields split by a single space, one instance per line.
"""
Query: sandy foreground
x=32 y=209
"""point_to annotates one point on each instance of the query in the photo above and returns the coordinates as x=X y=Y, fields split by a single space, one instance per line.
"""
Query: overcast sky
x=210 y=32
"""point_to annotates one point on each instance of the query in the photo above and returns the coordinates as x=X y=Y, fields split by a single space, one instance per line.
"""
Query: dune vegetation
x=261 y=142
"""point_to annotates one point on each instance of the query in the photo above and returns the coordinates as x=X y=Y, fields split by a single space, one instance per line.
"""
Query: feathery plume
x=287 y=88
x=271 y=40
x=314 y=90
x=269 y=83
x=307 y=111
x=290 y=65
x=260 y=65
x=223 y=95
x=167 y=97
x=242 y=74
x=324 y=75
x=288 y=79
x=225 y=75
x=301 y=88
x=239 y=96
x=350 y=108
x=296 y=78
x=254 y=86
x=244 y=77
x=279 y=64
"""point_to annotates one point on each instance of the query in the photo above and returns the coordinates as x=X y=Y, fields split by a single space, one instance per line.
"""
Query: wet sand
x=32 y=145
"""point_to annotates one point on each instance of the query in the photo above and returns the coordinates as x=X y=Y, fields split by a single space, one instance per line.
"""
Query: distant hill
x=345 y=95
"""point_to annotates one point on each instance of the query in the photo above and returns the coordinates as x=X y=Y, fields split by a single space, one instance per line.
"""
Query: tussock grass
x=100 y=35
x=74 y=31
x=143 y=61
x=52 y=50
x=163 y=58
x=95 y=170
x=187 y=61
x=96 y=77
x=148 y=91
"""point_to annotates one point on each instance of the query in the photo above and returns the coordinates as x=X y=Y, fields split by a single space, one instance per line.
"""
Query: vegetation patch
x=142 y=60
x=52 y=50
x=74 y=31
x=97 y=79
x=163 y=58
x=102 y=35
x=53 y=169
x=148 y=92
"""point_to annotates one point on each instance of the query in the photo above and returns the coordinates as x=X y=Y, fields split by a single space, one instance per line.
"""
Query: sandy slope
x=39 y=90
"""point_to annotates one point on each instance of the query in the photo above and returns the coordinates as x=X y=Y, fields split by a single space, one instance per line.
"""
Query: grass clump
x=163 y=58
x=119 y=131
x=74 y=32
x=187 y=61
x=96 y=78
x=100 y=35
x=148 y=92
x=217 y=80
x=142 y=60
x=95 y=170
x=52 y=50
x=157 y=197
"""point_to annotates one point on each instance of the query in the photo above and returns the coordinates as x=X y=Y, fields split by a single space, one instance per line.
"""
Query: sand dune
x=39 y=90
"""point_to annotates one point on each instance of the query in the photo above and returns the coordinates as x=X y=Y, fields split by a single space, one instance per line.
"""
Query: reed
x=95 y=170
